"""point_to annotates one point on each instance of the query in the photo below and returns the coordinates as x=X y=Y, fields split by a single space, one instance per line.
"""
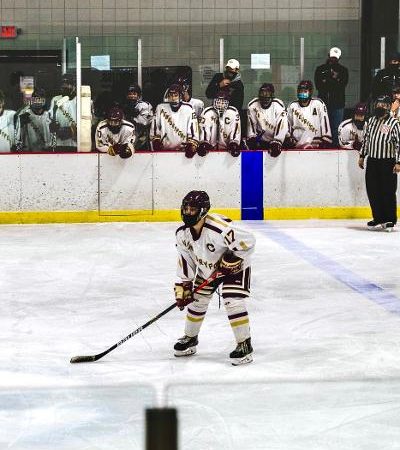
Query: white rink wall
x=154 y=182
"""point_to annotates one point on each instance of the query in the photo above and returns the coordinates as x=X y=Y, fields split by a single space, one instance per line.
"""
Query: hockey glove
x=204 y=148
x=289 y=142
x=275 y=148
x=230 y=264
x=183 y=294
x=54 y=127
x=111 y=150
x=325 y=144
x=157 y=144
x=234 y=149
x=24 y=119
x=252 y=143
x=64 y=133
x=125 y=153
x=357 y=145
x=190 y=149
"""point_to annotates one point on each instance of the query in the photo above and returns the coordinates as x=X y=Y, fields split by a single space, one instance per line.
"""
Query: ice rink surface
x=325 y=321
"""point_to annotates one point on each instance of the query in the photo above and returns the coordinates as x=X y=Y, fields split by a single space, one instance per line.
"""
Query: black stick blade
x=82 y=359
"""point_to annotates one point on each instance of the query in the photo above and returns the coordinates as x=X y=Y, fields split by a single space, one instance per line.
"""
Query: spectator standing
x=381 y=146
x=351 y=131
x=331 y=80
x=388 y=78
x=230 y=79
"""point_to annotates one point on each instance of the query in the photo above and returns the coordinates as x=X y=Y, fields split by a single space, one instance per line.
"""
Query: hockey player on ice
x=140 y=113
x=220 y=127
x=308 y=120
x=32 y=126
x=175 y=125
x=267 y=123
x=206 y=243
x=351 y=131
x=115 y=135
x=7 y=130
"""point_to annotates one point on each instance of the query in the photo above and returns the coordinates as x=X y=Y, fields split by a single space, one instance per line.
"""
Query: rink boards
x=90 y=187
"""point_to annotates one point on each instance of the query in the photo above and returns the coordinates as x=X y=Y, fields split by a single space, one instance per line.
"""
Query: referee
x=381 y=145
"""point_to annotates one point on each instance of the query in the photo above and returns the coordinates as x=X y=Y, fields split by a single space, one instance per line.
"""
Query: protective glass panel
x=267 y=58
x=106 y=418
x=28 y=67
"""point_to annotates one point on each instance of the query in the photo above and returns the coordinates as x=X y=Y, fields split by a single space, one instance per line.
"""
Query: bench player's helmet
x=305 y=90
x=114 y=119
x=221 y=101
x=266 y=94
x=68 y=85
x=38 y=101
x=195 y=206
x=134 y=93
x=360 y=115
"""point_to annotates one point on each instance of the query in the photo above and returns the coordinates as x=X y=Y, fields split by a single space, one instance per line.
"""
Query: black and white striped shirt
x=382 y=138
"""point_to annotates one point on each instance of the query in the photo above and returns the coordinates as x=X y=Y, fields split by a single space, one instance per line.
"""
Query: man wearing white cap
x=229 y=80
x=331 y=80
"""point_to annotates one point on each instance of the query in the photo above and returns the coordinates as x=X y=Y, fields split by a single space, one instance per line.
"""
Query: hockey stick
x=80 y=359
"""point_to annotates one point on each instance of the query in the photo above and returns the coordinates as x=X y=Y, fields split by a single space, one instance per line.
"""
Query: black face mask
x=359 y=124
x=114 y=130
x=190 y=221
x=380 y=112
x=229 y=75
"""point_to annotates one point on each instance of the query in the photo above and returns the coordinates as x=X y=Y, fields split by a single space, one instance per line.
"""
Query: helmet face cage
x=221 y=104
x=174 y=91
x=265 y=95
x=114 y=119
x=198 y=200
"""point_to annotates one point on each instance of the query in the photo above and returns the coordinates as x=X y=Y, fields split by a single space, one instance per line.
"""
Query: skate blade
x=188 y=352
x=240 y=361
x=378 y=227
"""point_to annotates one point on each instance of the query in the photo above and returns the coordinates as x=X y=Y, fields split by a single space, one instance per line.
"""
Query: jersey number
x=229 y=238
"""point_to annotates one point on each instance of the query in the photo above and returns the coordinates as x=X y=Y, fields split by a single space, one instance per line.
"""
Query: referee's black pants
x=381 y=185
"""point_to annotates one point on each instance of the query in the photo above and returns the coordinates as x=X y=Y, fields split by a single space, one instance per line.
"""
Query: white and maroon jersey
x=217 y=236
x=63 y=110
x=218 y=130
x=7 y=131
x=175 y=128
x=105 y=138
x=348 y=133
x=144 y=117
x=35 y=135
x=197 y=105
x=309 y=125
x=271 y=123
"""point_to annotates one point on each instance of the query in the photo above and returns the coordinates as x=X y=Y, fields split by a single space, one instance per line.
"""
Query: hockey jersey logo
x=211 y=247
x=168 y=118
x=304 y=121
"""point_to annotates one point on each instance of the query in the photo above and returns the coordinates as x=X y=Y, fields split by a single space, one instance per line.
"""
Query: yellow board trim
x=37 y=217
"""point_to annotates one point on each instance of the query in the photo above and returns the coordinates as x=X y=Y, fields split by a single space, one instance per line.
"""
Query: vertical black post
x=161 y=429
x=378 y=19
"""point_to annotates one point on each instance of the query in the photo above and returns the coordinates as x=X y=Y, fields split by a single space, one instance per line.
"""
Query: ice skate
x=186 y=346
x=374 y=226
x=242 y=353
x=388 y=226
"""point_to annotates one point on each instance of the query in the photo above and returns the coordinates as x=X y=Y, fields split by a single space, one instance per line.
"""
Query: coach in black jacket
x=331 y=80
x=231 y=81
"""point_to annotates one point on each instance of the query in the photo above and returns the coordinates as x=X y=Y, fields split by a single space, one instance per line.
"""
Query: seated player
x=175 y=125
x=63 y=116
x=220 y=126
x=115 y=135
x=267 y=123
x=140 y=113
x=32 y=127
x=308 y=120
x=351 y=131
x=7 y=130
